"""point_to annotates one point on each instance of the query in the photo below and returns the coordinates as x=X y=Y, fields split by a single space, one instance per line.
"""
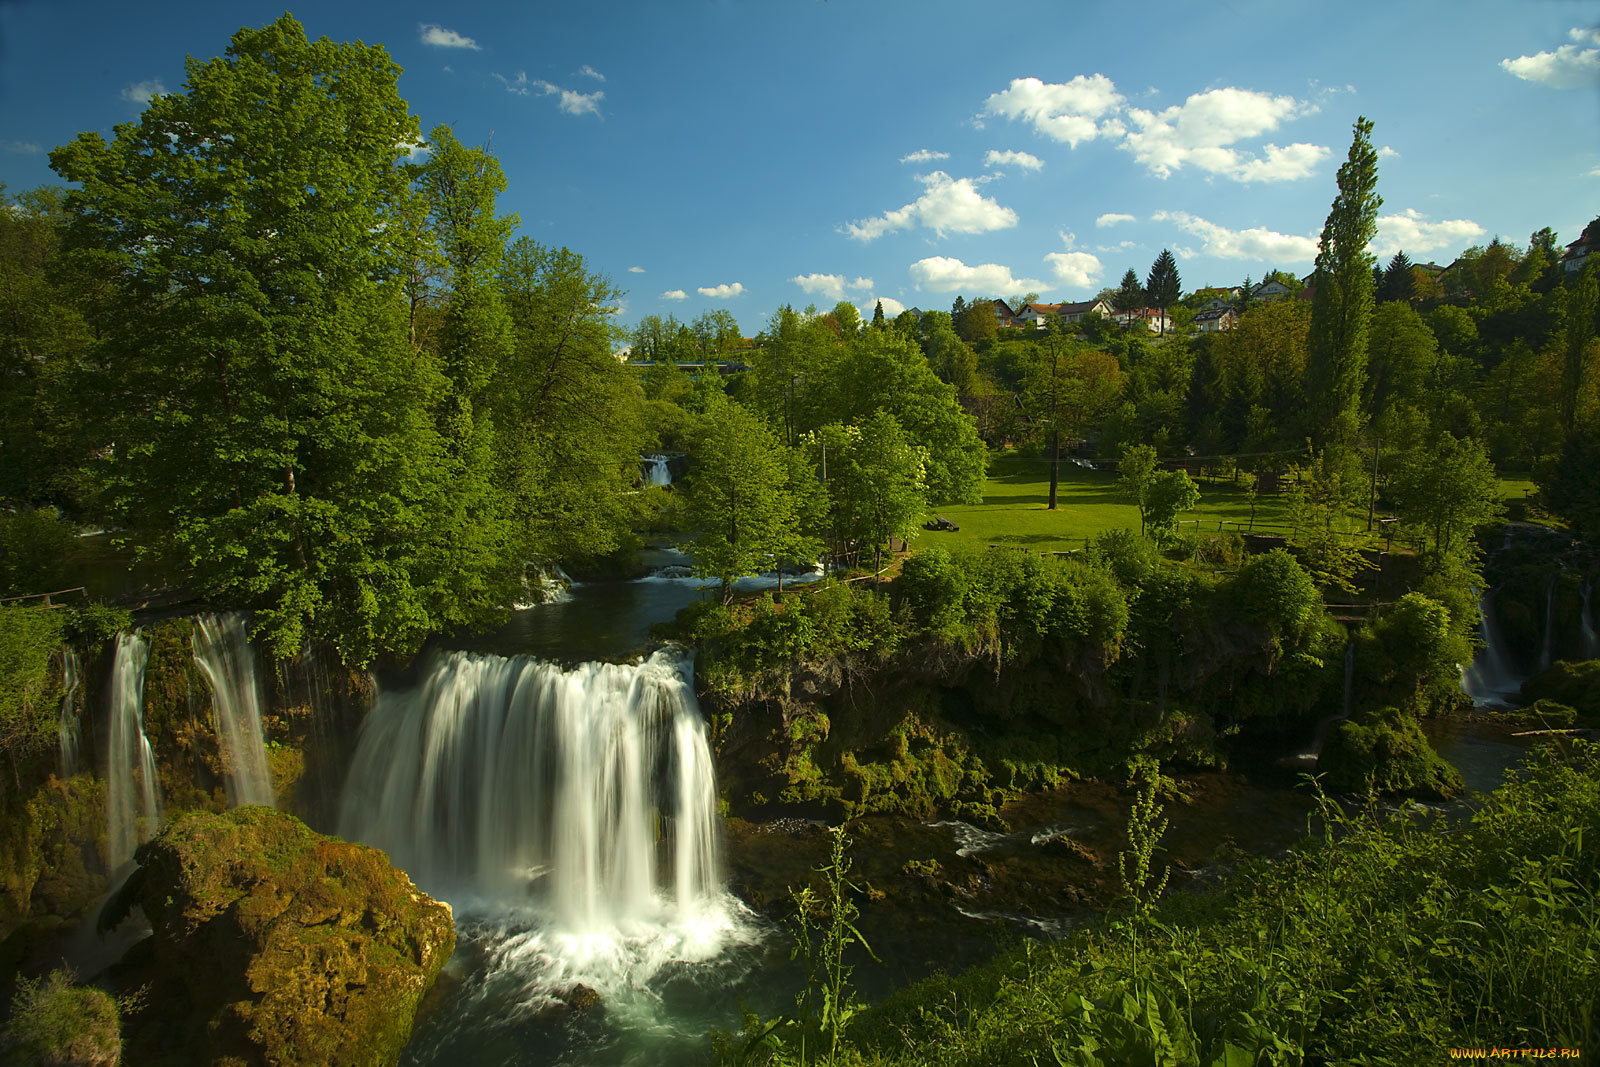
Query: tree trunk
x=1055 y=464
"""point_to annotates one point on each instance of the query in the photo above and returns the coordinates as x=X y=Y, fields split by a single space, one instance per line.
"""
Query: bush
x=34 y=545
x=1275 y=591
x=56 y=1022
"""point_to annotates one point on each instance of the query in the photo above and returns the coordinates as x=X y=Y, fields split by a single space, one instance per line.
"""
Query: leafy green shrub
x=29 y=687
x=1385 y=751
x=96 y=624
x=1275 y=591
x=1412 y=653
x=56 y=1022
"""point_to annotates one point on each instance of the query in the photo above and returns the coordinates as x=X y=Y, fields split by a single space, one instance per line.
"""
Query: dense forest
x=297 y=367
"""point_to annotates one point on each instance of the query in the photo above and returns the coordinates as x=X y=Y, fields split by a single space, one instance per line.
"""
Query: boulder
x=1385 y=751
x=285 y=946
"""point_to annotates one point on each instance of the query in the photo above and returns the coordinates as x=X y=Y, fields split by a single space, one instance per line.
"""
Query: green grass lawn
x=1015 y=493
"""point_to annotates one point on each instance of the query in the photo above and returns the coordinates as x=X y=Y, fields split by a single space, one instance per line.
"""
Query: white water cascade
x=133 y=799
x=69 y=729
x=1546 y=655
x=1490 y=678
x=588 y=794
x=1591 y=640
x=654 y=470
x=223 y=654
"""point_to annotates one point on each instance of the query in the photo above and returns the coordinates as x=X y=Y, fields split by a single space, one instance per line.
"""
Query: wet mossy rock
x=292 y=948
x=1385 y=751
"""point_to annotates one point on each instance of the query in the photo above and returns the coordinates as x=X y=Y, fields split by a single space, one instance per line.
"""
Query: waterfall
x=1490 y=678
x=69 y=729
x=654 y=470
x=133 y=802
x=1545 y=649
x=1591 y=641
x=223 y=654
x=587 y=793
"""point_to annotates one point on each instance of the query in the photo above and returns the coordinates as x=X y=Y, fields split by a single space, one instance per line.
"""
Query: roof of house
x=1215 y=313
x=1078 y=307
x=1043 y=309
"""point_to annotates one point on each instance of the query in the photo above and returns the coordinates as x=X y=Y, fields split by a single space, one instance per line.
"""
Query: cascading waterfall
x=223 y=654
x=133 y=799
x=1546 y=649
x=1490 y=678
x=1591 y=640
x=588 y=793
x=69 y=729
x=655 y=471
x=1349 y=676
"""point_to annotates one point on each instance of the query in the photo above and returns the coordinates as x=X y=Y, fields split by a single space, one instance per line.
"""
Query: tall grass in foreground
x=1390 y=939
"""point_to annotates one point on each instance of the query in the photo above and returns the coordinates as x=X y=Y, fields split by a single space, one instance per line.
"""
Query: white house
x=1154 y=320
x=1036 y=315
x=1216 y=319
x=1075 y=311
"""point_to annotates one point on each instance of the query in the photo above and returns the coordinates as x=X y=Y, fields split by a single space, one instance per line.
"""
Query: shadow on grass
x=1030 y=539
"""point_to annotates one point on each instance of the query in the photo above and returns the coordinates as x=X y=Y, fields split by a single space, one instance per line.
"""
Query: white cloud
x=891 y=308
x=1198 y=132
x=950 y=205
x=1569 y=67
x=674 y=294
x=924 y=155
x=832 y=286
x=589 y=72
x=1595 y=173
x=1025 y=160
x=1416 y=233
x=573 y=103
x=1257 y=243
x=415 y=150
x=436 y=35
x=635 y=270
x=723 y=291
x=144 y=92
x=1067 y=111
x=1388 y=153
x=943 y=274
x=20 y=148
x=1111 y=218
x=1078 y=269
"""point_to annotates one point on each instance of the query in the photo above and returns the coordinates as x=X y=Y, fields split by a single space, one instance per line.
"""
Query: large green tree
x=739 y=512
x=1341 y=309
x=1066 y=388
x=1164 y=285
x=264 y=415
x=1130 y=295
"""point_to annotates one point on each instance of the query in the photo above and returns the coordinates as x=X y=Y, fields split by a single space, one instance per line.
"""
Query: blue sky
x=748 y=154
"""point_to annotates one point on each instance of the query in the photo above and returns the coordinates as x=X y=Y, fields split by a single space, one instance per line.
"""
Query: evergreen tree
x=877 y=316
x=1130 y=294
x=1341 y=310
x=1398 y=281
x=1164 y=285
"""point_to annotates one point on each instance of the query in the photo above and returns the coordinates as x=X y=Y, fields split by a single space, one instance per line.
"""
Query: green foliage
x=1445 y=492
x=34 y=544
x=54 y=1021
x=1414 y=654
x=29 y=683
x=1382 y=943
x=1275 y=591
x=876 y=482
x=96 y=624
x=1384 y=751
x=1341 y=309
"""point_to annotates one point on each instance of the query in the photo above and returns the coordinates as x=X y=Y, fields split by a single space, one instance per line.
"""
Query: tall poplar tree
x=1341 y=310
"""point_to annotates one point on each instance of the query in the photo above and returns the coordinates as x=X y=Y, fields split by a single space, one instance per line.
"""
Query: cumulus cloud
x=1256 y=243
x=436 y=35
x=589 y=72
x=144 y=92
x=1025 y=160
x=721 y=292
x=1572 y=66
x=415 y=150
x=573 y=103
x=1416 y=233
x=891 y=308
x=942 y=274
x=674 y=294
x=1077 y=269
x=1199 y=131
x=832 y=286
x=924 y=155
x=20 y=148
x=950 y=205
x=1111 y=218
x=1387 y=153
x=1069 y=111
x=635 y=270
